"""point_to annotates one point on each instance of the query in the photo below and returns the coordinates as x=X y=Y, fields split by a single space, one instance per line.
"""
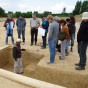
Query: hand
x=15 y=59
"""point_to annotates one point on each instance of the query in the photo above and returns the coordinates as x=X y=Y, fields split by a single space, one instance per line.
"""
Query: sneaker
x=80 y=68
x=49 y=63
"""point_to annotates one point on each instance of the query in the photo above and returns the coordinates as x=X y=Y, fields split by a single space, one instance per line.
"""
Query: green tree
x=29 y=14
x=77 y=9
x=17 y=14
x=84 y=6
x=46 y=13
x=2 y=12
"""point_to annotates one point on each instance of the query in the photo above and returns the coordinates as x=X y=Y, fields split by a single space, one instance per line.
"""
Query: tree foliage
x=2 y=12
x=80 y=7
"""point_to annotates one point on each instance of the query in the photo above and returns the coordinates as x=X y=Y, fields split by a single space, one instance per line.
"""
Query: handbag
x=61 y=36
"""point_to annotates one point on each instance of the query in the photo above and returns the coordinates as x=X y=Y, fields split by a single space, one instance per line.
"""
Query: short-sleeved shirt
x=34 y=23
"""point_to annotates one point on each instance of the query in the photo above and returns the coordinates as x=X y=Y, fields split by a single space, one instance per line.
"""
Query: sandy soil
x=61 y=71
x=5 y=83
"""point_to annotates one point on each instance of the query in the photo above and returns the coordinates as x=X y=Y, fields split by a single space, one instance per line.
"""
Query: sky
x=54 y=6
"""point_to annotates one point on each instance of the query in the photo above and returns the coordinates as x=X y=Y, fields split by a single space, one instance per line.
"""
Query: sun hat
x=85 y=15
x=18 y=40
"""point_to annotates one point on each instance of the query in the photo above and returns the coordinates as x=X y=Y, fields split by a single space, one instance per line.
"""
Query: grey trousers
x=18 y=68
x=63 y=45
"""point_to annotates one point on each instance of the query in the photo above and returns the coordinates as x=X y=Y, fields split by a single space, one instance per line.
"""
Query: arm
x=13 y=22
x=38 y=23
x=5 y=24
x=14 y=53
x=80 y=33
x=50 y=32
x=24 y=22
x=17 y=23
x=30 y=24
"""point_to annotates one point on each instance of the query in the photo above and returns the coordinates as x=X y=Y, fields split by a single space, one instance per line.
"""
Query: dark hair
x=63 y=21
x=72 y=19
x=68 y=20
x=42 y=16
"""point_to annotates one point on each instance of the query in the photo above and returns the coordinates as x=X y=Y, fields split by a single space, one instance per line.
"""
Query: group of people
x=68 y=27
x=54 y=26
x=9 y=25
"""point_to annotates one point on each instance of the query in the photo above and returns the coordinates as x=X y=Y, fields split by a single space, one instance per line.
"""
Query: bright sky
x=55 y=6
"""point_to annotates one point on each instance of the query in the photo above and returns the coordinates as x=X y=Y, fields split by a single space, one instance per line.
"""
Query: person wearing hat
x=18 y=68
x=21 y=24
x=9 y=25
x=34 y=24
x=45 y=25
x=82 y=39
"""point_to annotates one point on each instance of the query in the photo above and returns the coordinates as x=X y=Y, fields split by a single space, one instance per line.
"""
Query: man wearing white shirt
x=34 y=24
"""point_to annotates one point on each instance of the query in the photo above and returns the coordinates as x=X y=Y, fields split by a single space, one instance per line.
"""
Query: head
x=50 y=18
x=56 y=18
x=72 y=19
x=34 y=16
x=63 y=22
x=18 y=42
x=85 y=16
x=21 y=16
x=10 y=16
x=68 y=20
x=43 y=18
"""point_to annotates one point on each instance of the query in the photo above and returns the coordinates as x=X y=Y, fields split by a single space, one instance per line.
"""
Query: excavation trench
x=31 y=69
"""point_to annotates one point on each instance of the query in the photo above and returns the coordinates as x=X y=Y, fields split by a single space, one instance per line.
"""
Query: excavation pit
x=33 y=70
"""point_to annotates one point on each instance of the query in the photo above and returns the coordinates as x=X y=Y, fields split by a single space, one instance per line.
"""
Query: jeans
x=72 y=39
x=34 y=32
x=52 y=49
x=44 y=40
x=23 y=35
x=11 y=38
x=67 y=45
x=82 y=49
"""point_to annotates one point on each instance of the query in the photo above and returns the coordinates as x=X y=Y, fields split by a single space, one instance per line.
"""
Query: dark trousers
x=44 y=38
x=82 y=49
x=23 y=35
x=34 y=32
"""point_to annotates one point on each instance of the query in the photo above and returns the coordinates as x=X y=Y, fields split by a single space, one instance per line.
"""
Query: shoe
x=60 y=58
x=43 y=47
x=49 y=63
x=77 y=64
x=71 y=49
x=80 y=68
x=35 y=43
x=31 y=44
x=21 y=72
x=67 y=53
